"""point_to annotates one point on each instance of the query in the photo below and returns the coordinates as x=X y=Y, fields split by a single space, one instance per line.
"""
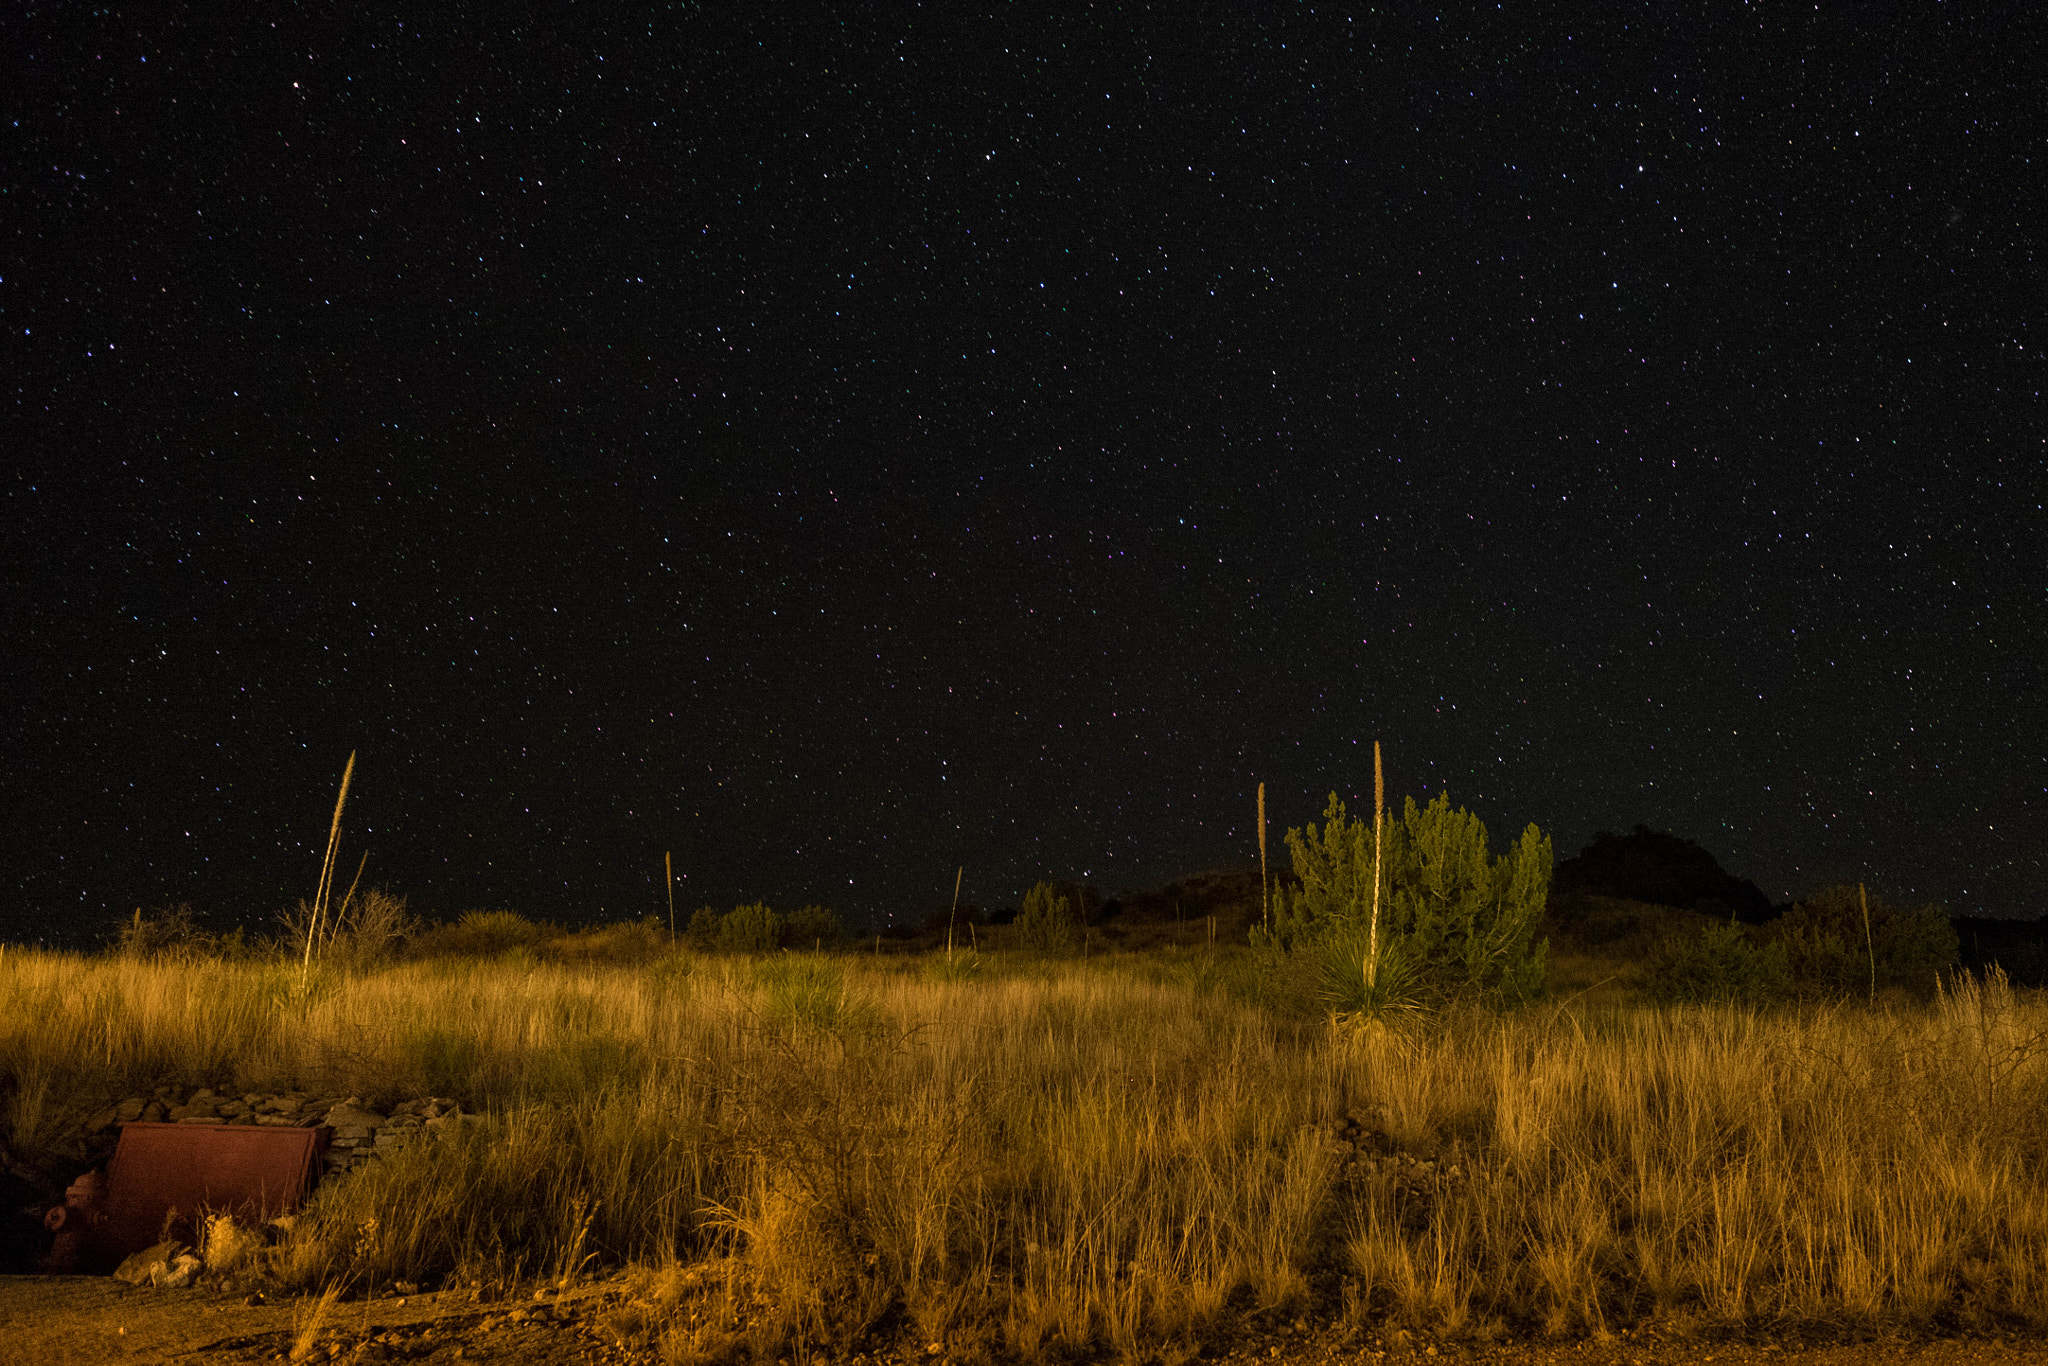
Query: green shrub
x=1459 y=921
x=1829 y=955
x=812 y=927
x=1049 y=921
x=749 y=929
x=1720 y=963
x=702 y=934
x=483 y=934
x=754 y=928
x=1820 y=961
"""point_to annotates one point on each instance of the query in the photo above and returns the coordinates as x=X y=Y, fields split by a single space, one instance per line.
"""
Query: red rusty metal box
x=168 y=1174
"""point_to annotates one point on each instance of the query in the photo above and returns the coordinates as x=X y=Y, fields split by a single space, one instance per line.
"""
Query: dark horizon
x=225 y=903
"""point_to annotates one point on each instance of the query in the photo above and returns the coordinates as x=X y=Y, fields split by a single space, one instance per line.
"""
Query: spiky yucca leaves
x=810 y=992
x=1362 y=990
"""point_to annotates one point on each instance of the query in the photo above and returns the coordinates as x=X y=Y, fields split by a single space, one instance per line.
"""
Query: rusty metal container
x=163 y=1177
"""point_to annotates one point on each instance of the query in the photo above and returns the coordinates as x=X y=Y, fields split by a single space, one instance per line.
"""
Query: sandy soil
x=85 y=1320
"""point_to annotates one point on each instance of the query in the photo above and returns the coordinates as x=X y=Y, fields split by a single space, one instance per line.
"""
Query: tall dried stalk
x=954 y=912
x=1863 y=898
x=326 y=873
x=668 y=866
x=1379 y=807
x=341 y=912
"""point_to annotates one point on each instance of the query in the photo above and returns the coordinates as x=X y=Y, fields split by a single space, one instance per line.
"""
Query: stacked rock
x=172 y=1106
x=359 y=1131
x=355 y=1134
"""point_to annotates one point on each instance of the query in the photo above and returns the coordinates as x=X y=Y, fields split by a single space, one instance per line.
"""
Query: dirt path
x=91 y=1320
x=1624 y=1352
x=1649 y=1349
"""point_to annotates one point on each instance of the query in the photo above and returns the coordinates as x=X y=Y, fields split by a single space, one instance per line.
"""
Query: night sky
x=841 y=444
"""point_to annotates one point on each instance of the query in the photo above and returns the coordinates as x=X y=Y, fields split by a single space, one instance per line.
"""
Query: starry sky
x=839 y=444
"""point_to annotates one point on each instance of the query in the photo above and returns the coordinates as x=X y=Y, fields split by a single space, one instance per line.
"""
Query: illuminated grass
x=1040 y=1157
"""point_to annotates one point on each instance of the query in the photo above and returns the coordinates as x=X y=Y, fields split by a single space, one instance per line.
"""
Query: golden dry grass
x=1038 y=1158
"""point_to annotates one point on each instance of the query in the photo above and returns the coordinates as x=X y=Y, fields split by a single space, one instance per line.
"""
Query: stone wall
x=359 y=1131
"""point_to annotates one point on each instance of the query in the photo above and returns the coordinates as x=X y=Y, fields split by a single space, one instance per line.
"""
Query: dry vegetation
x=1027 y=1158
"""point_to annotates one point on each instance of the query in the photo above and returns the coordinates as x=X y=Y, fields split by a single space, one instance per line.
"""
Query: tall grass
x=1060 y=1156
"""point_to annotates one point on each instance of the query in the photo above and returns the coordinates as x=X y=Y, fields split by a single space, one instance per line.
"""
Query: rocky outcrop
x=359 y=1131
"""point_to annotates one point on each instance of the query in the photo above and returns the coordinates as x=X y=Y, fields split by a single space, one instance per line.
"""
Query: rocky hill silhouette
x=1661 y=869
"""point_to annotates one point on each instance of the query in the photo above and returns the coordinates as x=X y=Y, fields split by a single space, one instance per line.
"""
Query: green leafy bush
x=749 y=929
x=1828 y=954
x=1721 y=963
x=1049 y=920
x=483 y=934
x=755 y=928
x=812 y=927
x=1456 y=920
x=702 y=933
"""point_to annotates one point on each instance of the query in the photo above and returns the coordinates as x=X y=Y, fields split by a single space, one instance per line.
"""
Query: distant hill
x=1662 y=869
x=1231 y=894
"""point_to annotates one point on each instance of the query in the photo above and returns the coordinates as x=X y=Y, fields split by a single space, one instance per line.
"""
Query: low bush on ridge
x=1721 y=963
x=1823 y=948
x=1048 y=921
x=756 y=928
x=483 y=934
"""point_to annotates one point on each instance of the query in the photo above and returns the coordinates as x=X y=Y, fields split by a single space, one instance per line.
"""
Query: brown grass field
x=1021 y=1158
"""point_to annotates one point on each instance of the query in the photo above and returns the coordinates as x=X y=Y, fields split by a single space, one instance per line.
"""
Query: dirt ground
x=87 y=1320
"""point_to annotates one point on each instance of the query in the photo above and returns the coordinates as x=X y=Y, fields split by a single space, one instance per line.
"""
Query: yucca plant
x=1365 y=982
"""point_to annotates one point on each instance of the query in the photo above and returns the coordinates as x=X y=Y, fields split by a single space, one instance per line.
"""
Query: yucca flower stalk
x=1379 y=807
